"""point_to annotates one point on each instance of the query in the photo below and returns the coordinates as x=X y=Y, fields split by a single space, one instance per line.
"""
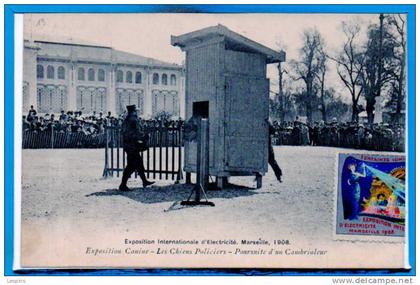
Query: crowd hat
x=131 y=108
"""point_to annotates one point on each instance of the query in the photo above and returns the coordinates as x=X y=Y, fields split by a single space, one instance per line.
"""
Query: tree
x=321 y=78
x=284 y=109
x=349 y=65
x=335 y=107
x=378 y=66
x=281 y=98
x=309 y=66
x=397 y=28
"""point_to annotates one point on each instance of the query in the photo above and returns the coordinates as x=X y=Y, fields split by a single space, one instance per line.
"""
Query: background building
x=67 y=76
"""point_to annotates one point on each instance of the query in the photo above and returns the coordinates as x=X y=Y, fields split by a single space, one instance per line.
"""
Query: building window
x=61 y=72
x=164 y=101
x=91 y=99
x=62 y=92
x=101 y=75
x=50 y=72
x=120 y=76
x=81 y=73
x=83 y=99
x=155 y=78
x=91 y=74
x=129 y=97
x=173 y=79
x=51 y=98
x=138 y=77
x=164 y=79
x=39 y=71
x=100 y=100
x=129 y=77
x=40 y=98
x=25 y=96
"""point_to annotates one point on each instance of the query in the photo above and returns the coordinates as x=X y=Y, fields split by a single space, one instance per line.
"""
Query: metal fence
x=163 y=158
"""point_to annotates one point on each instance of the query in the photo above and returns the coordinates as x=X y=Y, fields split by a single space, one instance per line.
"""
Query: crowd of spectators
x=378 y=136
x=77 y=122
x=75 y=129
x=68 y=122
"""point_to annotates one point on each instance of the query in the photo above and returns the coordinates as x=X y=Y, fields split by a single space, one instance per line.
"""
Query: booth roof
x=233 y=41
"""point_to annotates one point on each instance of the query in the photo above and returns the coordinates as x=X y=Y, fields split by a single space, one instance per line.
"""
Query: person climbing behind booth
x=271 y=158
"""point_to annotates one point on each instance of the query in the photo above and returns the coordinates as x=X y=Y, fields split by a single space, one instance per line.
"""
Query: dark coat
x=131 y=133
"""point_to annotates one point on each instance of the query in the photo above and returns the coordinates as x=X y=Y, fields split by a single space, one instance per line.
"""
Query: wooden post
x=123 y=154
x=221 y=182
x=173 y=138
x=118 y=151
x=202 y=166
x=147 y=153
x=188 y=178
x=199 y=161
x=154 y=152
x=112 y=150
x=204 y=146
x=52 y=136
x=105 y=172
x=258 y=177
x=179 y=141
x=160 y=148
x=166 y=152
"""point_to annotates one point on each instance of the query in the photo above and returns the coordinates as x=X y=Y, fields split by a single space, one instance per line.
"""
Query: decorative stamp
x=371 y=196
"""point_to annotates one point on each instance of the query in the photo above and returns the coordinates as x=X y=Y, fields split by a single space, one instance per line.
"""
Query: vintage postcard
x=198 y=140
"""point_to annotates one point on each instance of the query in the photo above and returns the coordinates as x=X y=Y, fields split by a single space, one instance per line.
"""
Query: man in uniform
x=131 y=142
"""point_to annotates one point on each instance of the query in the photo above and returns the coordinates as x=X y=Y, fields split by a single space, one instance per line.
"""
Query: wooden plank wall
x=208 y=68
x=202 y=81
x=248 y=64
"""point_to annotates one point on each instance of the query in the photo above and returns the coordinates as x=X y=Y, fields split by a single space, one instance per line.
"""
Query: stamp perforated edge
x=362 y=238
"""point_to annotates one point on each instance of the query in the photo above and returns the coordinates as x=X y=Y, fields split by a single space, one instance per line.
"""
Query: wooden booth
x=226 y=83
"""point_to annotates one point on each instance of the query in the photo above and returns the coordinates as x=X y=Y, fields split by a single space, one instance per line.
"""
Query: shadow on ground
x=176 y=192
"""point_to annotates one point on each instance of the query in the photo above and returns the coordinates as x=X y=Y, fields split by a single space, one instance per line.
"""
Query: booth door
x=246 y=132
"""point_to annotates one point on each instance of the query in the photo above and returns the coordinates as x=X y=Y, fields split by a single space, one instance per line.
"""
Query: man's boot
x=144 y=179
x=123 y=185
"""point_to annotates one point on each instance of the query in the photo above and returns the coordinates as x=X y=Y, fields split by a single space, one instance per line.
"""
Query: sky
x=149 y=34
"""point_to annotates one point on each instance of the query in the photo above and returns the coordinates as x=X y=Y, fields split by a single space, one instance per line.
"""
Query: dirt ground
x=67 y=207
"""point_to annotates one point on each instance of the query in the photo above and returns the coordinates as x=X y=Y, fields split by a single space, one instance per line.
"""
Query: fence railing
x=162 y=160
x=56 y=139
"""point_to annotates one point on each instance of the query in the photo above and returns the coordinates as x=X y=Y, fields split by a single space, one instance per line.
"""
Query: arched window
x=25 y=95
x=101 y=75
x=120 y=76
x=91 y=74
x=164 y=101
x=138 y=77
x=39 y=71
x=164 y=79
x=61 y=73
x=155 y=78
x=81 y=73
x=129 y=77
x=50 y=72
x=173 y=79
x=51 y=98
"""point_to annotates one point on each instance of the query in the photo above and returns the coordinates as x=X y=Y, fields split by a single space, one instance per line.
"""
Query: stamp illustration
x=371 y=195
